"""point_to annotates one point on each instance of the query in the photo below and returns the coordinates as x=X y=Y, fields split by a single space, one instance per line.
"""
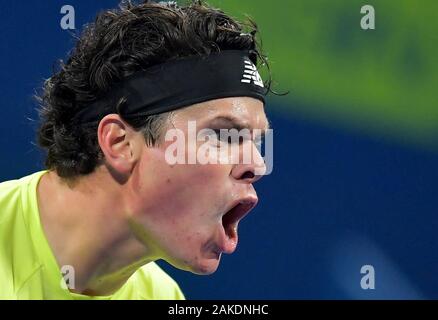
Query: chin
x=204 y=271
x=205 y=267
x=199 y=266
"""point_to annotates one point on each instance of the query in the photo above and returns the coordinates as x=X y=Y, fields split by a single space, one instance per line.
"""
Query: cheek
x=180 y=197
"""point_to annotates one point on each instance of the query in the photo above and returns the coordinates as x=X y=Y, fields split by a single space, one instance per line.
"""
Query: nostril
x=247 y=175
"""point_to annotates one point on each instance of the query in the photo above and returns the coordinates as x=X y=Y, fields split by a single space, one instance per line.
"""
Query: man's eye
x=223 y=137
x=218 y=134
x=228 y=137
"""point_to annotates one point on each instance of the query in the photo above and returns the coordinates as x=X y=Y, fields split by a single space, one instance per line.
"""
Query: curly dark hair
x=119 y=43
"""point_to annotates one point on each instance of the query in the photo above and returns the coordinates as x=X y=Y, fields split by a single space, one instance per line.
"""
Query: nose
x=250 y=171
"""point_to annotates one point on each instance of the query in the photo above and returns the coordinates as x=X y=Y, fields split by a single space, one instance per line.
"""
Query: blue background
x=338 y=199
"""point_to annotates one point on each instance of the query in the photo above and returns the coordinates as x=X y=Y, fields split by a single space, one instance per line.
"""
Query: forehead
x=249 y=112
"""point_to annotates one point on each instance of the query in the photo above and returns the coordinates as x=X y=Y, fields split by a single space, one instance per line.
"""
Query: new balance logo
x=251 y=75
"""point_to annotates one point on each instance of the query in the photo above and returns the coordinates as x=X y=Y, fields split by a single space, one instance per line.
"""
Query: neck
x=86 y=226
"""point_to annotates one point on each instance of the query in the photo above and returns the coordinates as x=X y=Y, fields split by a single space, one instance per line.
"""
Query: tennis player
x=110 y=202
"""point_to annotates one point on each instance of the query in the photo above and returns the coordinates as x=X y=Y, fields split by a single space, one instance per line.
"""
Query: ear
x=119 y=144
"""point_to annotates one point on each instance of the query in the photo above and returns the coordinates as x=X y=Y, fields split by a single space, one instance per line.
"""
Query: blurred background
x=355 y=178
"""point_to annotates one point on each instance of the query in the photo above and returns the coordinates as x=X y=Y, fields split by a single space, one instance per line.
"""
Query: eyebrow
x=234 y=123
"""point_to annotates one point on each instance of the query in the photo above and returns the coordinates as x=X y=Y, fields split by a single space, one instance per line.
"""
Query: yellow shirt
x=28 y=268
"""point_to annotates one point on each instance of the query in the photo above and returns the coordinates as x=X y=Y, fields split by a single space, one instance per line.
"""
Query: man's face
x=188 y=214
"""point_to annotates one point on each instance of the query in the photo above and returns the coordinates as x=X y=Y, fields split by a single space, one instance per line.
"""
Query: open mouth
x=231 y=218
